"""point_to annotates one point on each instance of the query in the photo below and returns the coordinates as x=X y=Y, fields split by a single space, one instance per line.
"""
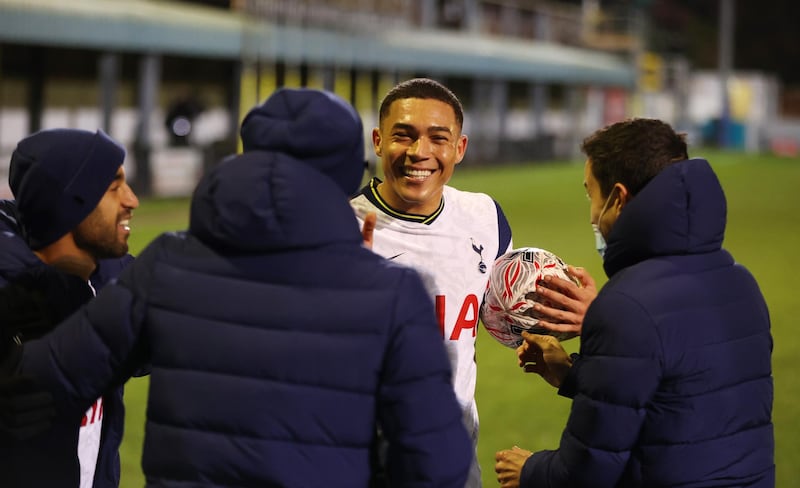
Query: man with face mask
x=673 y=383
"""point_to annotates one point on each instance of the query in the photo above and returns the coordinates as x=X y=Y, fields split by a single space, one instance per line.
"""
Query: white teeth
x=126 y=224
x=418 y=173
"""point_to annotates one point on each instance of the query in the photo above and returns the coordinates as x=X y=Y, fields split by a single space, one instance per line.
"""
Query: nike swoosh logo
x=395 y=256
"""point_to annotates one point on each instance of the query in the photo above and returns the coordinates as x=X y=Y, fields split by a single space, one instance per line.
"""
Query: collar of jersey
x=371 y=192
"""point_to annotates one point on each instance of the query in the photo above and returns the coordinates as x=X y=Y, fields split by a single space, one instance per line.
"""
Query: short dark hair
x=424 y=88
x=632 y=152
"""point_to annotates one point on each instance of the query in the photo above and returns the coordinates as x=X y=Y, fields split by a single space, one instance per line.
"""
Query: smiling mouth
x=417 y=174
x=125 y=224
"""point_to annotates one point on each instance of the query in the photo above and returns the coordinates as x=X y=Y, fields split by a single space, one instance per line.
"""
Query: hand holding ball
x=508 y=304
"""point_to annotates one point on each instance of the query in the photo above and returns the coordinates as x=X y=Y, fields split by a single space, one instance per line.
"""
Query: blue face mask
x=599 y=240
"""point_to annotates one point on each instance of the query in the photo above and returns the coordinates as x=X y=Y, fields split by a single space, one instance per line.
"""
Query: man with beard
x=63 y=237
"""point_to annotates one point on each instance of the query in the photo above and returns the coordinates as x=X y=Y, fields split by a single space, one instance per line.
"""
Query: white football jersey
x=453 y=251
x=89 y=435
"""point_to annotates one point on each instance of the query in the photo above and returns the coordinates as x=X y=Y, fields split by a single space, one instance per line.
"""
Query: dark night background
x=766 y=33
x=766 y=36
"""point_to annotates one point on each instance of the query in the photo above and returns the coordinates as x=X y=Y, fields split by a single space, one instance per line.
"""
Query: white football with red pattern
x=507 y=307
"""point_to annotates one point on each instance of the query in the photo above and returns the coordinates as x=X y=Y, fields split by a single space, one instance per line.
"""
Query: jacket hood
x=265 y=201
x=681 y=211
x=315 y=126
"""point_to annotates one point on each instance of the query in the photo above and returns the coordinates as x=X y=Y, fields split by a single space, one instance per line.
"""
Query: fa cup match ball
x=507 y=308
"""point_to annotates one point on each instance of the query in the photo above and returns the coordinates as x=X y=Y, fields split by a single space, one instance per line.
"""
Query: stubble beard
x=95 y=237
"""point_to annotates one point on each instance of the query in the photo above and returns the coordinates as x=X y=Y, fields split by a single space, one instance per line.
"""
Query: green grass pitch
x=546 y=207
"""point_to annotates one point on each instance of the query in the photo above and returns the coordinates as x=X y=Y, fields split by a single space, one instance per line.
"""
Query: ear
x=461 y=148
x=376 y=141
x=622 y=198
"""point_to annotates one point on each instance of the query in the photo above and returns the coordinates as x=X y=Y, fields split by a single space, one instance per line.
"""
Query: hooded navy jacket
x=673 y=386
x=50 y=459
x=277 y=341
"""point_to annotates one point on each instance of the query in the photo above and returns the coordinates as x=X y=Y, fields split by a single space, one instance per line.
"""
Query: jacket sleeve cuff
x=569 y=387
x=535 y=470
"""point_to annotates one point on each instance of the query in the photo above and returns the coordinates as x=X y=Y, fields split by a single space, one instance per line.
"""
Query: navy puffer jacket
x=277 y=342
x=673 y=386
x=50 y=459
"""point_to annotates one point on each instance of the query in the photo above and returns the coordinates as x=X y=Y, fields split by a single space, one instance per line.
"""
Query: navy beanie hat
x=313 y=126
x=58 y=177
